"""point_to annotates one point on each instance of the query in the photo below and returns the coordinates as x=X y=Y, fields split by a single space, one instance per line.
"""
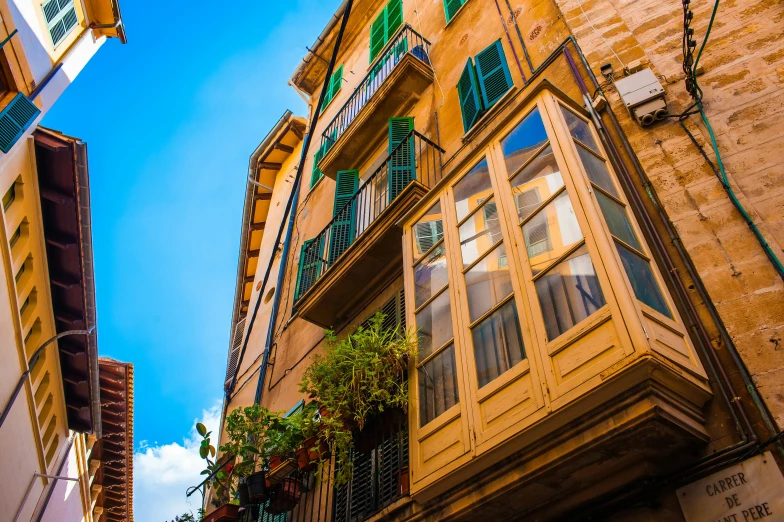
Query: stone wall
x=744 y=100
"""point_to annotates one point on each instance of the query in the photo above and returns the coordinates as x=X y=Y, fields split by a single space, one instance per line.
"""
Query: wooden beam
x=62 y=242
x=297 y=132
x=258 y=226
x=285 y=148
x=55 y=196
x=265 y=196
x=63 y=281
x=253 y=253
x=268 y=165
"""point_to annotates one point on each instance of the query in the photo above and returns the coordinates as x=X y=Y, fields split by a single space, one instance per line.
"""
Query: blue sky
x=170 y=120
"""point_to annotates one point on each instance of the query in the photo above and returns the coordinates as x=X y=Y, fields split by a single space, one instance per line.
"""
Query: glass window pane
x=472 y=190
x=488 y=282
x=579 y=128
x=434 y=325
x=569 y=293
x=643 y=282
x=430 y=275
x=617 y=220
x=523 y=141
x=479 y=233
x=437 y=385
x=539 y=180
x=597 y=171
x=550 y=232
x=428 y=230
x=498 y=343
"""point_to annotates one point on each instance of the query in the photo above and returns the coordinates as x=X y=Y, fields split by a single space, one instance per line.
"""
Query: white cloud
x=162 y=473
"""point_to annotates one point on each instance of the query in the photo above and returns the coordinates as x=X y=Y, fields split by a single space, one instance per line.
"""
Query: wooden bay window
x=528 y=280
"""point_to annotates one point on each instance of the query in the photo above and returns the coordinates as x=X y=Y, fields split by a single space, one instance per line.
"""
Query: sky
x=170 y=120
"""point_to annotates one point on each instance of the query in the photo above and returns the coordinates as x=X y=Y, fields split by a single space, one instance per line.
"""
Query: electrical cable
x=623 y=65
x=690 y=66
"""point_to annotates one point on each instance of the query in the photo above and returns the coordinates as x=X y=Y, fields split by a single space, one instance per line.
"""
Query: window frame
x=61 y=14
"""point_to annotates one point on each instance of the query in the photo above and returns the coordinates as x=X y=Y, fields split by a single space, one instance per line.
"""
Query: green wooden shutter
x=309 y=265
x=316 y=174
x=493 y=74
x=394 y=10
x=15 y=119
x=468 y=92
x=378 y=34
x=333 y=86
x=401 y=168
x=60 y=18
x=451 y=7
x=343 y=225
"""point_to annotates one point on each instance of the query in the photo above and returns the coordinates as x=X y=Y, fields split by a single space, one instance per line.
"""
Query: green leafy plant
x=357 y=376
x=221 y=476
x=186 y=517
x=288 y=435
x=248 y=430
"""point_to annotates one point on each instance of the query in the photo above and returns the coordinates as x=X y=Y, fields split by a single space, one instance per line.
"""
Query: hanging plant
x=358 y=376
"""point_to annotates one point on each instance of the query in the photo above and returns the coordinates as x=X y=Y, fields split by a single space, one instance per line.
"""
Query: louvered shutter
x=493 y=74
x=468 y=92
x=234 y=353
x=15 y=119
x=316 y=174
x=378 y=34
x=451 y=7
x=402 y=162
x=333 y=86
x=309 y=266
x=342 y=230
x=394 y=13
x=60 y=18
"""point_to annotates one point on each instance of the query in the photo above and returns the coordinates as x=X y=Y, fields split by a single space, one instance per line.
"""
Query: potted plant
x=248 y=439
x=358 y=376
x=220 y=477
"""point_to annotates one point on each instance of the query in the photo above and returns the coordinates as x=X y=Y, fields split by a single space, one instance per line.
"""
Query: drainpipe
x=291 y=210
x=509 y=39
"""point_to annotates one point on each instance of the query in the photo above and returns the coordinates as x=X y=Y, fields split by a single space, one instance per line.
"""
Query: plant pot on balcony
x=242 y=494
x=286 y=496
x=257 y=488
x=225 y=513
x=318 y=449
x=275 y=462
x=302 y=456
x=405 y=482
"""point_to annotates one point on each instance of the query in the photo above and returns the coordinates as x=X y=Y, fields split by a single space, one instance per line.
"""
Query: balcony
x=380 y=479
x=361 y=247
x=398 y=77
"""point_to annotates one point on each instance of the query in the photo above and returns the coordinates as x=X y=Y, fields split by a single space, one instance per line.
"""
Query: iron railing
x=415 y=157
x=405 y=41
x=380 y=475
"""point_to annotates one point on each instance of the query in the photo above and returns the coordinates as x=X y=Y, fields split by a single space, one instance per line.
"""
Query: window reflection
x=498 y=343
x=479 y=232
x=617 y=220
x=644 y=284
x=472 y=190
x=579 y=129
x=520 y=144
x=430 y=275
x=488 y=283
x=539 y=180
x=437 y=385
x=569 y=293
x=428 y=231
x=434 y=325
x=550 y=232
x=597 y=171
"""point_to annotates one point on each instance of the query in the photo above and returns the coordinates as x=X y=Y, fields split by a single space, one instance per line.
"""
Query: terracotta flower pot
x=286 y=496
x=225 y=513
x=302 y=456
x=405 y=481
x=274 y=462
x=317 y=450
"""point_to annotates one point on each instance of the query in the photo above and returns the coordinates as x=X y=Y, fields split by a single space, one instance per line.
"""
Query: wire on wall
x=690 y=65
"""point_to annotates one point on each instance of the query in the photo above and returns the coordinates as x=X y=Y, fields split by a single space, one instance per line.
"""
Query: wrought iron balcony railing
x=405 y=41
x=414 y=158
